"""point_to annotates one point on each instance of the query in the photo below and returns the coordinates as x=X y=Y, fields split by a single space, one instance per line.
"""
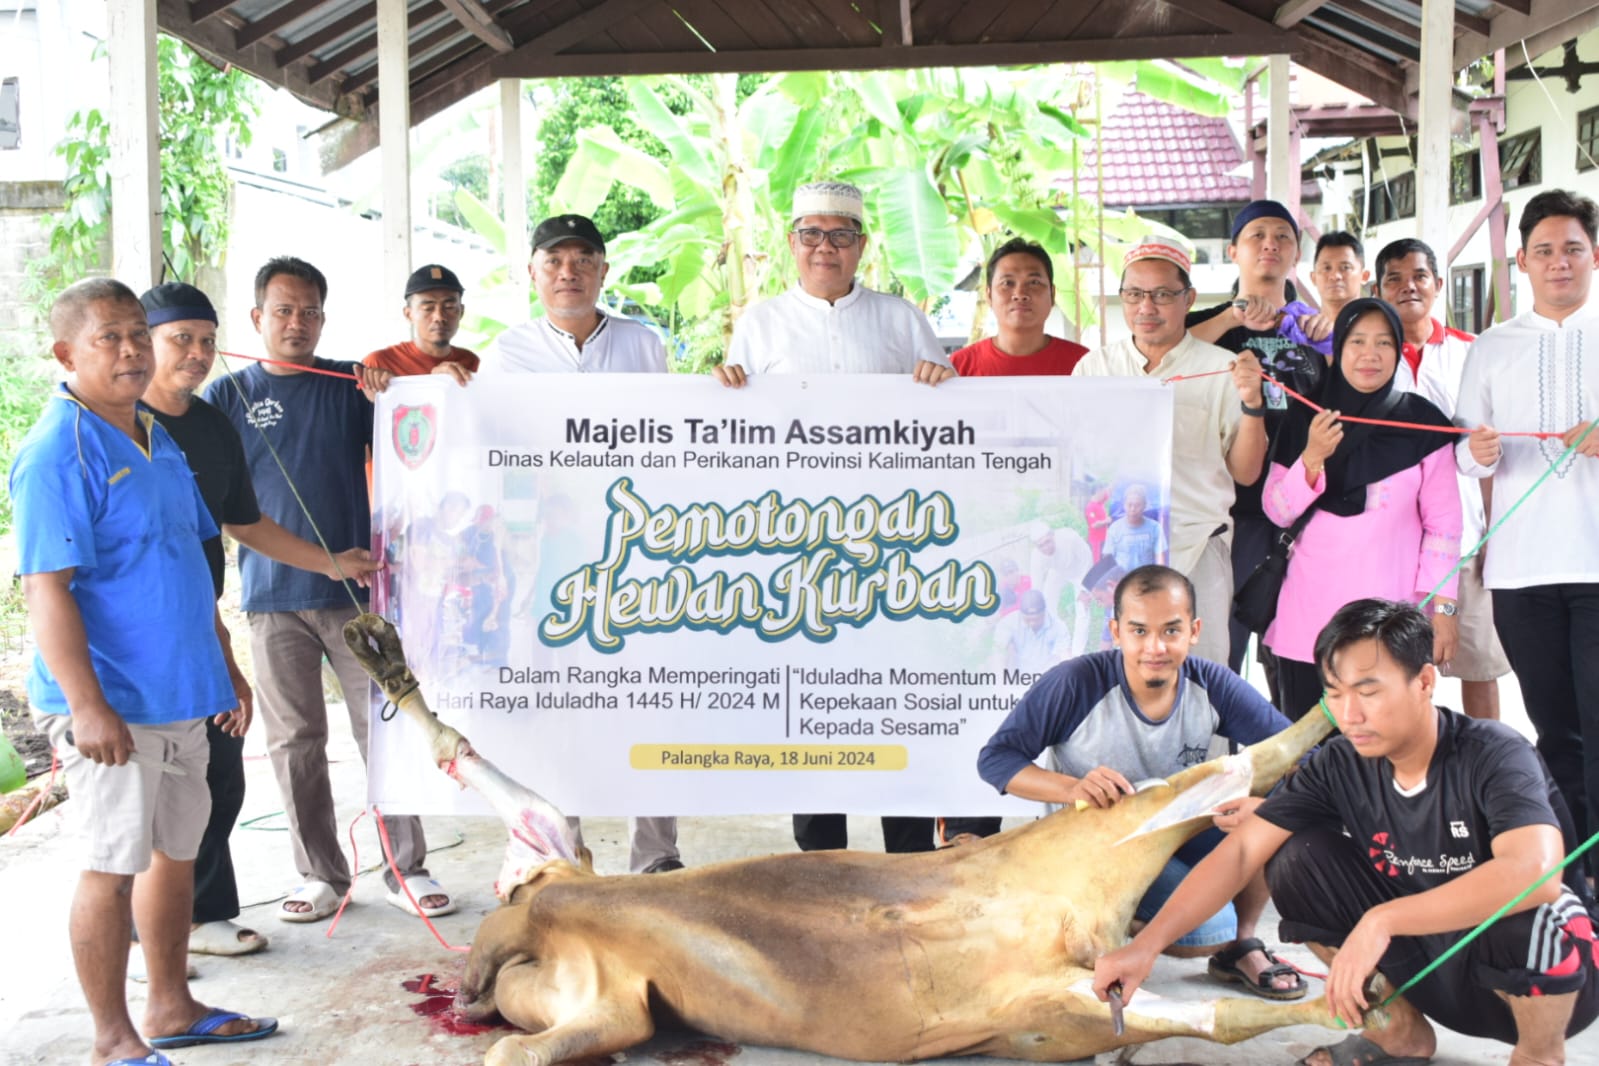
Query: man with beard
x=433 y=307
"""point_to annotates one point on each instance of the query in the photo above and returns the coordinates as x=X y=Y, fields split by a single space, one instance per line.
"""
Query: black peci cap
x=432 y=276
x=553 y=231
x=177 y=302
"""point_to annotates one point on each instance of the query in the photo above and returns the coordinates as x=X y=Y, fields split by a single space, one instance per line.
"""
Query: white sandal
x=319 y=894
x=420 y=888
x=224 y=938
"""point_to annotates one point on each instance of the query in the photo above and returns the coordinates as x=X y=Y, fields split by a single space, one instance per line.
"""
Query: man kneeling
x=1389 y=844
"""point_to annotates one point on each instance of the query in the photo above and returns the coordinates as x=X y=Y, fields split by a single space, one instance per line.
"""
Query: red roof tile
x=1157 y=154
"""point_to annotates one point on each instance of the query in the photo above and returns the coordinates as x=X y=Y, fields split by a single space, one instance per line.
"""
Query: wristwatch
x=1252 y=412
x=1448 y=608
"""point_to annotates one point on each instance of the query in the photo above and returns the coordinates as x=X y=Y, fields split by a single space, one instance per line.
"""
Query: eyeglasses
x=838 y=238
x=1161 y=297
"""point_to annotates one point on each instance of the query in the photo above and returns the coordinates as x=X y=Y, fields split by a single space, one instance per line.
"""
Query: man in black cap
x=183 y=332
x=433 y=307
x=574 y=335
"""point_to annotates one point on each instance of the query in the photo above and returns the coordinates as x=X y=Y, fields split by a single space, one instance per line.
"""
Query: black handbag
x=1255 y=602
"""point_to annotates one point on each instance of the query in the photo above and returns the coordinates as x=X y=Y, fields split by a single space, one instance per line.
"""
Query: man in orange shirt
x=433 y=307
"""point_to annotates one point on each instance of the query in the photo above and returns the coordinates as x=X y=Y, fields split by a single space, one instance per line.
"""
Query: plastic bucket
x=13 y=773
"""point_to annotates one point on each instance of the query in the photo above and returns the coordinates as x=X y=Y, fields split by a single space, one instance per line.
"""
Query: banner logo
x=414 y=434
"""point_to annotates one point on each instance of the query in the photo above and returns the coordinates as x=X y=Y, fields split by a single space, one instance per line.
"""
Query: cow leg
x=607 y=1028
x=1051 y=1023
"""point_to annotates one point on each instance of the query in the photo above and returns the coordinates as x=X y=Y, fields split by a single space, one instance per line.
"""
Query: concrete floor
x=345 y=1000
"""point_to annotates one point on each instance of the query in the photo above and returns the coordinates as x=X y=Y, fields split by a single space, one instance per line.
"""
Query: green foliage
x=469 y=174
x=199 y=106
x=24 y=389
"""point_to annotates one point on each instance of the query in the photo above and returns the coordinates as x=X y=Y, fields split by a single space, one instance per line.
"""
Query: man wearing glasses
x=1218 y=429
x=830 y=323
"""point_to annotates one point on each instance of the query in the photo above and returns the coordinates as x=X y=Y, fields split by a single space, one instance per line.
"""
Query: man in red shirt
x=433 y=307
x=1021 y=290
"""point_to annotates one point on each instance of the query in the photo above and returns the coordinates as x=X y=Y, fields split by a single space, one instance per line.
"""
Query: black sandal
x=1224 y=967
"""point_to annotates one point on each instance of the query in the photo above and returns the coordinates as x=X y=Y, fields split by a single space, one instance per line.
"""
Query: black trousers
x=216 y=894
x=1551 y=637
x=1252 y=537
x=830 y=832
x=1299 y=687
x=1322 y=883
x=977 y=825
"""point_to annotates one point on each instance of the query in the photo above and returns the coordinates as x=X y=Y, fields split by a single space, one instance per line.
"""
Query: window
x=10 y=115
x=280 y=161
x=1465 y=178
x=1387 y=201
x=1521 y=159
x=1588 y=139
x=1466 y=305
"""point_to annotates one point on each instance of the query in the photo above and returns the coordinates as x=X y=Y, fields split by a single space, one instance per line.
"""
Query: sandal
x=224 y=938
x=1358 y=1051
x=419 y=887
x=319 y=894
x=1223 y=967
x=204 y=1031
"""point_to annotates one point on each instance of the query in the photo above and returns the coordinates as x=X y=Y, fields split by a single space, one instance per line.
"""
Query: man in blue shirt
x=128 y=665
x=320 y=428
x=1146 y=710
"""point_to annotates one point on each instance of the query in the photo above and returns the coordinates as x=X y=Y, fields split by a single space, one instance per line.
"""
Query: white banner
x=652 y=595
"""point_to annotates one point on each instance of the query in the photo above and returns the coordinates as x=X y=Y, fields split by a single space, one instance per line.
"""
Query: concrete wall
x=25 y=209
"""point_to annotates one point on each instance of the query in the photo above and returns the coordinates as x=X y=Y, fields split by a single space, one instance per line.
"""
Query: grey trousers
x=288 y=647
x=653 y=840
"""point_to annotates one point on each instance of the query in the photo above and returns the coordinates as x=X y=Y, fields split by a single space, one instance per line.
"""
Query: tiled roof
x=1159 y=155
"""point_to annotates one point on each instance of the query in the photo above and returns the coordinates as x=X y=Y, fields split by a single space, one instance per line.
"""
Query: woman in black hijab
x=1387 y=518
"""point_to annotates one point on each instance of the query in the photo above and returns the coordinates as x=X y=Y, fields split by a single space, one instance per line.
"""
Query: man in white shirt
x=574 y=336
x=829 y=323
x=1537 y=372
x=1218 y=424
x=1433 y=357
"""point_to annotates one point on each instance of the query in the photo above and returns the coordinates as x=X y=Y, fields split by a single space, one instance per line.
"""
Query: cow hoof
x=511 y=1051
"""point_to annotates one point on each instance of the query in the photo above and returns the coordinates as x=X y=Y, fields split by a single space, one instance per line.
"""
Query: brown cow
x=984 y=949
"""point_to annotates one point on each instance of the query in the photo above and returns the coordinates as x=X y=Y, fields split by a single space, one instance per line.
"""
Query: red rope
x=32 y=808
x=388 y=855
x=355 y=865
x=1314 y=406
x=292 y=366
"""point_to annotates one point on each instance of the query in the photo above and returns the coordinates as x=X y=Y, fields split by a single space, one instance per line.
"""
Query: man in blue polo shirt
x=128 y=665
x=1139 y=711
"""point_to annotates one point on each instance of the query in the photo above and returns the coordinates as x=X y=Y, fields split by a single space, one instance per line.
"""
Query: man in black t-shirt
x=183 y=334
x=1393 y=841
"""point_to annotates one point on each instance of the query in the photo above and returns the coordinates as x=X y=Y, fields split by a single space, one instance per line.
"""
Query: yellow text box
x=768 y=757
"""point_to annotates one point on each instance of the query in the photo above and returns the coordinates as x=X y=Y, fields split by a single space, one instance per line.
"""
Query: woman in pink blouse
x=1387 y=521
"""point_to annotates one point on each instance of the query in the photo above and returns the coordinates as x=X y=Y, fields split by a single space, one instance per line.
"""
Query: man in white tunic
x=1537 y=372
x=829 y=323
x=574 y=336
x=1218 y=424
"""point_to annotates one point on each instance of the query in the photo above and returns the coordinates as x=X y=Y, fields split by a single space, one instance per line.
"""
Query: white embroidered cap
x=830 y=198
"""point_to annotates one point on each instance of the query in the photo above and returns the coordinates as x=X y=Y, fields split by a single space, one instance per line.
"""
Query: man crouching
x=1395 y=839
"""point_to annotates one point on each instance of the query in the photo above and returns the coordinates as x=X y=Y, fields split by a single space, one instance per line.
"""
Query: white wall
x=46 y=44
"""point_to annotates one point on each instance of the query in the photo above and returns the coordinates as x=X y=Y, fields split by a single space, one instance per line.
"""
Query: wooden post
x=135 y=144
x=394 y=139
x=1432 y=141
x=513 y=186
x=1279 y=167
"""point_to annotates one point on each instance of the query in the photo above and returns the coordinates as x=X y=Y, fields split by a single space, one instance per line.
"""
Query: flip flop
x=1358 y=1051
x=224 y=938
x=155 y=1058
x=1223 y=966
x=204 y=1031
x=420 y=887
x=319 y=894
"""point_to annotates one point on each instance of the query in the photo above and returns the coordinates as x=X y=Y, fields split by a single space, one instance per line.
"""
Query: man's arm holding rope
x=277 y=543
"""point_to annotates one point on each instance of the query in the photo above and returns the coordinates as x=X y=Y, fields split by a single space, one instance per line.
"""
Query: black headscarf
x=1367 y=454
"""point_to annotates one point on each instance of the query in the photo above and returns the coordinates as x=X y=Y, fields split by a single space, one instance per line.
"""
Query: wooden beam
x=135 y=141
x=394 y=135
x=1473 y=23
x=214 y=38
x=365 y=45
x=1222 y=15
x=297 y=50
x=1406 y=47
x=527 y=65
x=1294 y=11
x=204 y=9
x=1520 y=7
x=574 y=30
x=1552 y=22
x=1378 y=17
x=425 y=46
x=480 y=24
x=1381 y=83
x=895 y=18
x=273 y=21
x=429 y=96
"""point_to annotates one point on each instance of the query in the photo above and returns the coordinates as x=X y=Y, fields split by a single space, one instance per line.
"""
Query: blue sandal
x=204 y=1031
x=155 y=1058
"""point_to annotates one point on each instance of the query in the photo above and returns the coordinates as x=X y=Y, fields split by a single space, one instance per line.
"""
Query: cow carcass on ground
x=987 y=948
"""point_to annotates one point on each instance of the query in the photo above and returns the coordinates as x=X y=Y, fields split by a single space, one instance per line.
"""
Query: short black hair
x=1401 y=249
x=294 y=268
x=1401 y=629
x=1153 y=578
x=1339 y=239
x=70 y=306
x=1558 y=203
x=1019 y=246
